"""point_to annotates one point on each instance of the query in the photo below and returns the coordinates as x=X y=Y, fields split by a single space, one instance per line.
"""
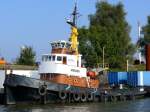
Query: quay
x=115 y=95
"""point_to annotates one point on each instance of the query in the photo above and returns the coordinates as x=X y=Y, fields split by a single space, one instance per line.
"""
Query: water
x=141 y=105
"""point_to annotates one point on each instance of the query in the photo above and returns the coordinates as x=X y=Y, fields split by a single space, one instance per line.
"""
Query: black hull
x=1 y=95
x=21 y=89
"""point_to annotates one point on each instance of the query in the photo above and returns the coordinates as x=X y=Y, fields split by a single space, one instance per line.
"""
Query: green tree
x=108 y=28
x=86 y=48
x=146 y=31
x=27 y=56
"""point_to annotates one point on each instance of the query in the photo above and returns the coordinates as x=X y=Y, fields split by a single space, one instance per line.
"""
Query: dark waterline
x=142 y=105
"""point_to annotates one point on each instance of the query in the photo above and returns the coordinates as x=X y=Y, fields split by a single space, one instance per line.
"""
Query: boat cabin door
x=64 y=60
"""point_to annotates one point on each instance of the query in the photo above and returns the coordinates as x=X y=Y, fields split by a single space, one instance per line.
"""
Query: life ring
x=90 y=97
x=62 y=95
x=42 y=90
x=76 y=97
x=83 y=97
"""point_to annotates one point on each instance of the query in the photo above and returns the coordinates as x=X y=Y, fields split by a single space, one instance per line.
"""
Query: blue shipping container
x=132 y=78
x=117 y=78
x=138 y=78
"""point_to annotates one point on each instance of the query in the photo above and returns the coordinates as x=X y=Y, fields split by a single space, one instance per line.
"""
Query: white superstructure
x=60 y=61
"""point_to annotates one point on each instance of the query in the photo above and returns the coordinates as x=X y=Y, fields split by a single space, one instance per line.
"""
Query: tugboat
x=62 y=76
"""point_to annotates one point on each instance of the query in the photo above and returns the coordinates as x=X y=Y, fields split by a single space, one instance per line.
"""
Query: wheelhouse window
x=42 y=58
x=53 y=58
x=53 y=45
x=46 y=58
x=68 y=45
x=59 y=45
x=49 y=58
x=59 y=58
x=63 y=45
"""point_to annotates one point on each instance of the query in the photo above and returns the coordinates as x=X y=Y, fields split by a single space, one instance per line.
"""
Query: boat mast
x=74 y=31
x=75 y=15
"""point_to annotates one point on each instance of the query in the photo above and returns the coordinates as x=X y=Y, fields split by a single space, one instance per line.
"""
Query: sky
x=38 y=22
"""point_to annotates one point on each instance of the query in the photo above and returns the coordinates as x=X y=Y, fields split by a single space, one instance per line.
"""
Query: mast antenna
x=74 y=30
x=75 y=13
x=74 y=16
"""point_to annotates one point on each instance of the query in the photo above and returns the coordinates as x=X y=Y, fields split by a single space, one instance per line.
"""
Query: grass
x=140 y=67
x=18 y=67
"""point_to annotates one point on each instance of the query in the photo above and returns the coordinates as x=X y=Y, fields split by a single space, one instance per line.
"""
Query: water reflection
x=130 y=106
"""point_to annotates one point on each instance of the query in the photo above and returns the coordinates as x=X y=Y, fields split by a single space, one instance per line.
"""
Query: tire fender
x=76 y=97
x=42 y=90
x=62 y=95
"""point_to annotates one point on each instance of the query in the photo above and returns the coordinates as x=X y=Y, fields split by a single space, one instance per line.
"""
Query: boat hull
x=21 y=89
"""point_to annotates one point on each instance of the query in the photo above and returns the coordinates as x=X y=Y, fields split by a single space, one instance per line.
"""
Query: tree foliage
x=27 y=56
x=146 y=31
x=109 y=29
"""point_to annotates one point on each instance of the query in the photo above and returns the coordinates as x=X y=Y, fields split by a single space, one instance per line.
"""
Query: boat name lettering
x=71 y=60
x=74 y=70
